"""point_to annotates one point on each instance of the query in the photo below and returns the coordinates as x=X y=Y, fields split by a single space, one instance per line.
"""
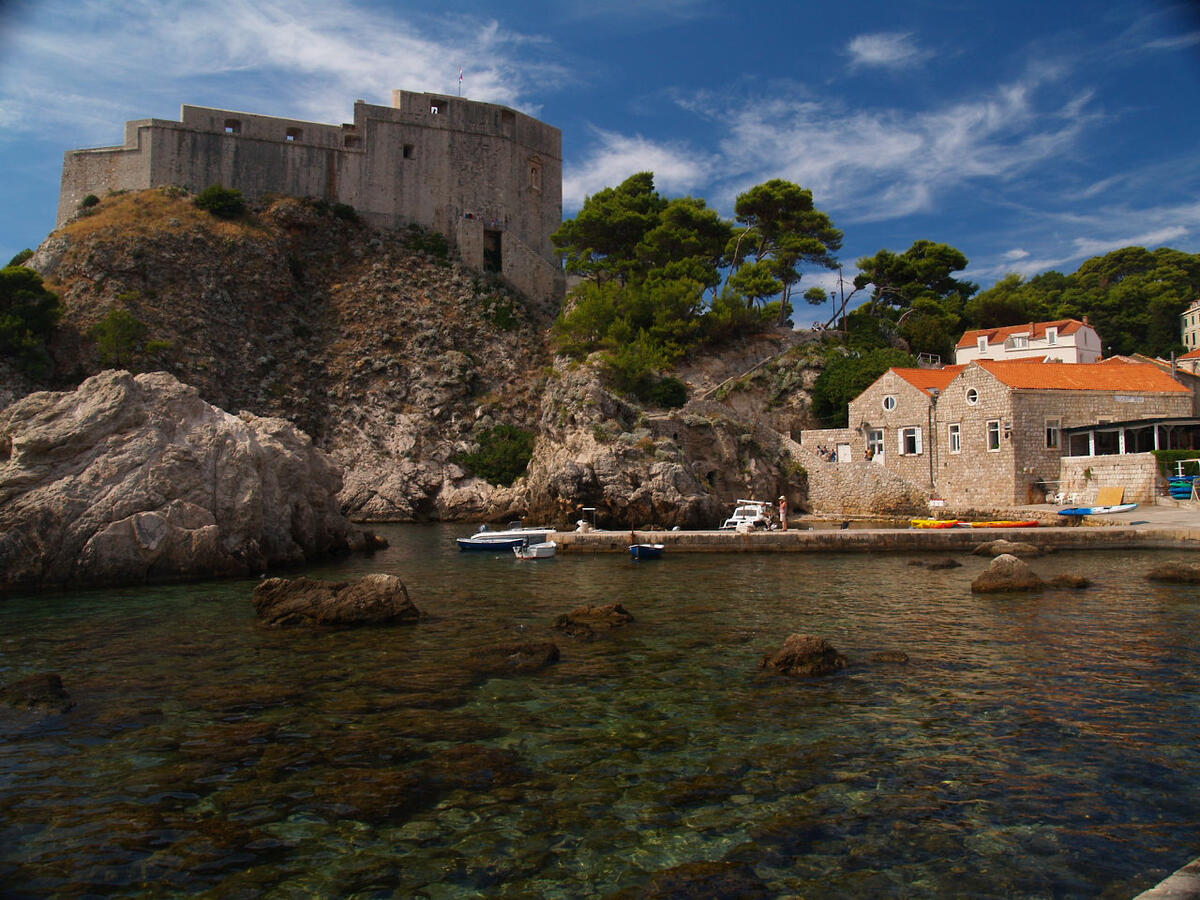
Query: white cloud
x=888 y=163
x=1088 y=247
x=302 y=58
x=1016 y=254
x=891 y=50
x=1174 y=43
x=677 y=169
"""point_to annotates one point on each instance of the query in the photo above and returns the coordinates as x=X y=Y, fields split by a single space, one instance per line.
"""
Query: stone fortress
x=485 y=176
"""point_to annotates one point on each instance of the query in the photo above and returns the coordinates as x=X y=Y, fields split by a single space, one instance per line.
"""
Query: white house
x=1065 y=340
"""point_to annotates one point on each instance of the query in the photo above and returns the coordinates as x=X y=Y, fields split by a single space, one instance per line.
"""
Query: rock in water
x=135 y=478
x=373 y=600
x=805 y=655
x=1006 y=573
x=43 y=692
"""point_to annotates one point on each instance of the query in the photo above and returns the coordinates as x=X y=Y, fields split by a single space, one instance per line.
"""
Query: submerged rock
x=373 y=600
x=586 y=621
x=43 y=693
x=1006 y=573
x=890 y=656
x=702 y=880
x=1070 y=580
x=135 y=478
x=1175 y=573
x=1012 y=548
x=804 y=656
x=511 y=659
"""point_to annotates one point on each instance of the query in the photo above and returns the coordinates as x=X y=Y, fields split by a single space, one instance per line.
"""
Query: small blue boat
x=646 y=551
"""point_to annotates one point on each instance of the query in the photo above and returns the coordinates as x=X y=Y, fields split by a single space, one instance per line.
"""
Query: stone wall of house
x=975 y=476
x=859 y=488
x=869 y=411
x=1083 y=476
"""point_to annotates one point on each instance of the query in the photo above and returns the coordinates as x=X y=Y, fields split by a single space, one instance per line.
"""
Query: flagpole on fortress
x=460 y=81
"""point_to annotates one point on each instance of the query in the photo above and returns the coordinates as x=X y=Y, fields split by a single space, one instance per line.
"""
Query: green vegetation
x=89 y=201
x=1133 y=297
x=845 y=376
x=20 y=258
x=28 y=314
x=503 y=455
x=654 y=268
x=1168 y=458
x=222 y=202
x=426 y=241
x=119 y=338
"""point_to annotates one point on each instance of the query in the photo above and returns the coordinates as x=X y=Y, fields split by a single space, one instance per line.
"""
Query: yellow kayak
x=933 y=523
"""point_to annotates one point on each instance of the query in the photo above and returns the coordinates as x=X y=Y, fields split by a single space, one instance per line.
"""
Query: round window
x=972 y=396
x=889 y=402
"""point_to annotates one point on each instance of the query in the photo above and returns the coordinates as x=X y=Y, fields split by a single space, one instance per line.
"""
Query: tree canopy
x=1132 y=296
x=28 y=314
x=781 y=231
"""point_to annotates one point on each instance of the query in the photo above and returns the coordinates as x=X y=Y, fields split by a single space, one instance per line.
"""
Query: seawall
x=867 y=540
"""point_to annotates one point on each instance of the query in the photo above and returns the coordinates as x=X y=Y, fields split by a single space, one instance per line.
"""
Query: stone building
x=485 y=176
x=993 y=433
x=1064 y=340
x=1189 y=327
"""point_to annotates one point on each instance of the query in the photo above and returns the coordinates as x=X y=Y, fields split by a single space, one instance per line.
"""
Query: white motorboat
x=515 y=535
x=544 y=550
x=749 y=515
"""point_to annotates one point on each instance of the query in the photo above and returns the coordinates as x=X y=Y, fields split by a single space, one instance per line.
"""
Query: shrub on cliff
x=119 y=337
x=222 y=202
x=28 y=314
x=503 y=455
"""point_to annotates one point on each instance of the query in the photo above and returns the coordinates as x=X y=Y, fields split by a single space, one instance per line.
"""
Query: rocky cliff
x=393 y=358
x=131 y=479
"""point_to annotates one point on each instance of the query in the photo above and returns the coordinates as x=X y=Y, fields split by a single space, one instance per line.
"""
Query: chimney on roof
x=1085 y=321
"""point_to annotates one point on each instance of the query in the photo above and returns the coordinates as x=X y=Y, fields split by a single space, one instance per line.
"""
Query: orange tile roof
x=1106 y=376
x=928 y=379
x=1035 y=330
x=1195 y=354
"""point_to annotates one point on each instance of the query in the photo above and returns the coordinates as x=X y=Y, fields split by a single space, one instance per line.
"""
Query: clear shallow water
x=1037 y=746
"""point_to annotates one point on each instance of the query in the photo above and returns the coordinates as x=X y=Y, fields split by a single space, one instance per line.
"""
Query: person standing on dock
x=783 y=513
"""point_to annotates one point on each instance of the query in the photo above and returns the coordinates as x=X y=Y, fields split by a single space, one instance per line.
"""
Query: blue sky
x=1030 y=135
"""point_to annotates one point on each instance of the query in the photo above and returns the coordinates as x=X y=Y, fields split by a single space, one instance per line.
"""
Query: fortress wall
x=431 y=160
x=105 y=169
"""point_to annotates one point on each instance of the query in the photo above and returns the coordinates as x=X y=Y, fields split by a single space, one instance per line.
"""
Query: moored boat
x=748 y=515
x=646 y=551
x=934 y=523
x=543 y=550
x=487 y=541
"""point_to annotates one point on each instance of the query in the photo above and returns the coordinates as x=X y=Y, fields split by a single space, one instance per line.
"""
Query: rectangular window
x=233 y=126
x=955 y=433
x=981 y=344
x=874 y=442
x=910 y=441
x=1051 y=336
x=409 y=151
x=1053 y=427
x=1020 y=342
x=294 y=134
x=993 y=434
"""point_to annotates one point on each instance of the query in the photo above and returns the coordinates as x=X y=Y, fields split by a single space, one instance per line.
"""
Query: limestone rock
x=373 y=600
x=1006 y=573
x=890 y=656
x=806 y=656
x=135 y=478
x=1012 y=548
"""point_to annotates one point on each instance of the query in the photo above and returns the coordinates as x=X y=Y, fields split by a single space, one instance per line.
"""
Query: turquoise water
x=1038 y=746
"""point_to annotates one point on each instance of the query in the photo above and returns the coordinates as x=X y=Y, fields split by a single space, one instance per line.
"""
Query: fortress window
x=409 y=151
x=351 y=141
x=493 y=261
x=233 y=126
x=433 y=109
x=294 y=134
x=535 y=174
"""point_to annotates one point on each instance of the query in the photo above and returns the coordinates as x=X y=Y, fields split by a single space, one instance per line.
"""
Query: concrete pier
x=881 y=540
